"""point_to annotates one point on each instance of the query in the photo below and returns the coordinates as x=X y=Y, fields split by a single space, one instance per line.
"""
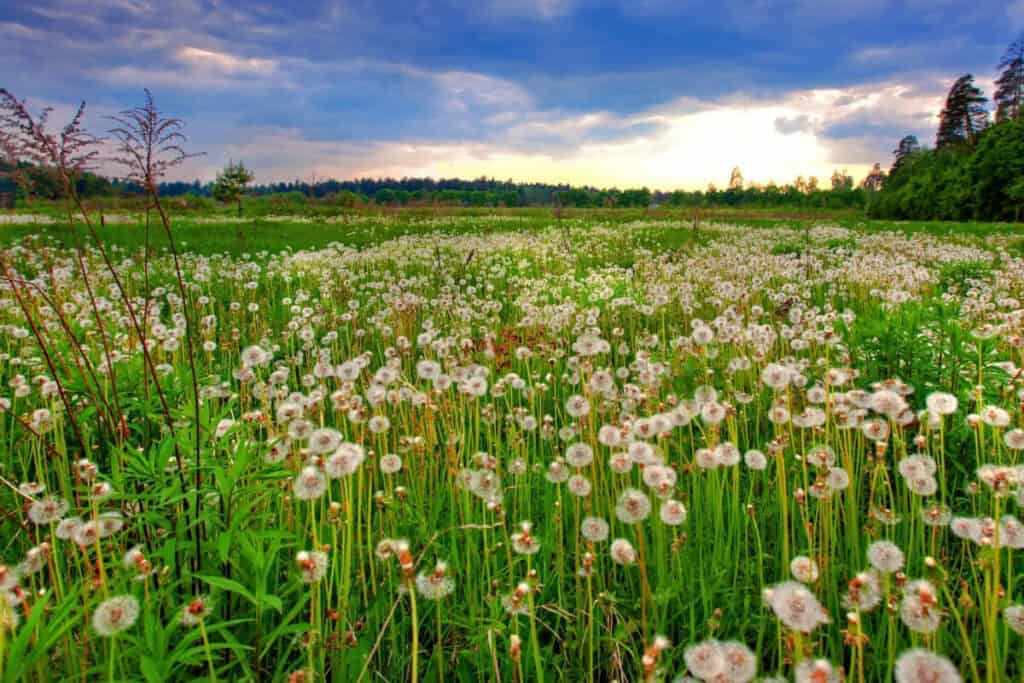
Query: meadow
x=511 y=446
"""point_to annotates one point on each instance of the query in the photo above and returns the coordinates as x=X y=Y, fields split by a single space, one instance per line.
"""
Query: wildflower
x=995 y=416
x=816 y=671
x=713 y=413
x=523 y=541
x=557 y=472
x=740 y=662
x=650 y=656
x=705 y=660
x=379 y=424
x=577 y=406
x=775 y=376
x=594 y=529
x=46 y=510
x=941 y=403
x=390 y=464
x=917 y=466
x=67 y=528
x=109 y=523
x=796 y=606
x=115 y=615
x=35 y=560
x=195 y=611
x=323 y=441
x=135 y=560
x=428 y=369
x=660 y=479
x=101 y=490
x=727 y=454
x=804 y=569
x=864 y=592
x=622 y=552
x=755 y=460
x=437 y=584
x=515 y=602
x=875 y=430
x=310 y=484
x=936 y=515
x=345 y=461
x=642 y=453
x=838 y=479
x=923 y=486
x=921 y=666
x=299 y=429
x=620 y=463
x=254 y=356
x=474 y=386
x=312 y=565
x=633 y=506
x=885 y=556
x=919 y=608
x=672 y=513
x=579 y=455
x=609 y=435
x=579 y=485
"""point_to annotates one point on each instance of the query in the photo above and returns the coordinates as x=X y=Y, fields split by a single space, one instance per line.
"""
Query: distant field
x=225 y=233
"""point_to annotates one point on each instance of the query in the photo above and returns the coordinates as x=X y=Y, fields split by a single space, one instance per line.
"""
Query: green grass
x=697 y=319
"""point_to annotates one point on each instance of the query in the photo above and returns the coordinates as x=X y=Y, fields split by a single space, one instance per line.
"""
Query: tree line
x=975 y=170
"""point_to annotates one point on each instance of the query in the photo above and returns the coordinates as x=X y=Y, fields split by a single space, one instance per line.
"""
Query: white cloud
x=467 y=89
x=223 y=62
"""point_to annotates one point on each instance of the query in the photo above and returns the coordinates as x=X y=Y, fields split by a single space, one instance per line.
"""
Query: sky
x=659 y=93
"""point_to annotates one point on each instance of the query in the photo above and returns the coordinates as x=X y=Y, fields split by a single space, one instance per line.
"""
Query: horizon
x=602 y=93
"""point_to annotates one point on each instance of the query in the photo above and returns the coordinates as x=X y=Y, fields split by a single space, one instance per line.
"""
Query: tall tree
x=874 y=179
x=841 y=180
x=964 y=115
x=230 y=184
x=907 y=146
x=736 y=179
x=1009 y=96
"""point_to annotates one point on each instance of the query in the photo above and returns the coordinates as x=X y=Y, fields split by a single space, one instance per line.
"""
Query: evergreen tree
x=230 y=184
x=874 y=179
x=964 y=115
x=907 y=146
x=1009 y=96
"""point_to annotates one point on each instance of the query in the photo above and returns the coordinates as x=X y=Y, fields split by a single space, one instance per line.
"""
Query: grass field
x=479 y=446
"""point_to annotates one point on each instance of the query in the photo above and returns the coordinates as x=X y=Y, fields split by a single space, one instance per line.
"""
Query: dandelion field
x=501 y=448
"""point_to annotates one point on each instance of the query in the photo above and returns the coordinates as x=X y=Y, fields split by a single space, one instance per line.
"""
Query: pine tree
x=907 y=146
x=230 y=184
x=964 y=115
x=1009 y=96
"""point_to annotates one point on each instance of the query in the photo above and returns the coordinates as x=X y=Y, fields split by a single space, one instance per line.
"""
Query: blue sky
x=646 y=92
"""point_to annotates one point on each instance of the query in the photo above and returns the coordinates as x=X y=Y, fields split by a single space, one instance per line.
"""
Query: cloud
x=223 y=62
x=794 y=124
x=465 y=90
